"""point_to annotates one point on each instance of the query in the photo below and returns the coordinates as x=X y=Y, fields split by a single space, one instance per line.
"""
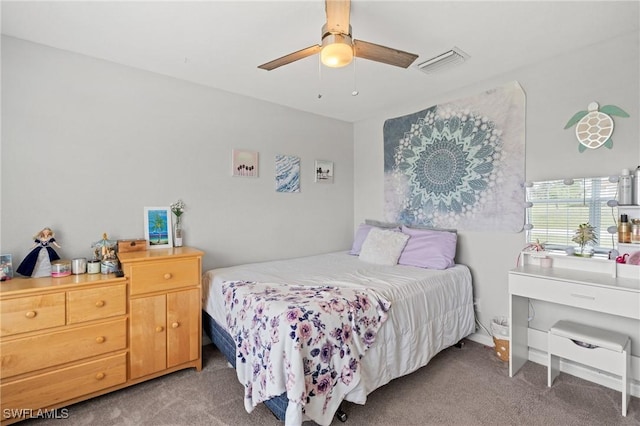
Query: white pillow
x=383 y=247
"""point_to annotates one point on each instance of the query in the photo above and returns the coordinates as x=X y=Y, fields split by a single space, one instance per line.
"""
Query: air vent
x=443 y=61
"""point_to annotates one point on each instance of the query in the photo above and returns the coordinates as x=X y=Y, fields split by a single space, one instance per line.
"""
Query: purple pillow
x=429 y=248
x=361 y=235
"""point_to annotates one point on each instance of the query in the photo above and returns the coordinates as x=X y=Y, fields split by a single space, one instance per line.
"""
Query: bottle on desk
x=624 y=229
x=635 y=230
x=625 y=188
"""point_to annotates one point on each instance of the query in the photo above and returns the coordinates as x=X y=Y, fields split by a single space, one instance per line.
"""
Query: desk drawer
x=608 y=300
x=96 y=303
x=34 y=353
x=31 y=313
x=164 y=275
x=65 y=384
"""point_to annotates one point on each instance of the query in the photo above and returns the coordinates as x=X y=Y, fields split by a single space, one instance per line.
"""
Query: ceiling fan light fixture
x=337 y=50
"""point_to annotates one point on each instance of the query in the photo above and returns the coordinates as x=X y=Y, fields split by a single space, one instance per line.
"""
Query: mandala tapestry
x=460 y=164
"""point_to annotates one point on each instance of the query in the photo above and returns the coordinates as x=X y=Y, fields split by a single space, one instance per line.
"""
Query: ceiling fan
x=338 y=48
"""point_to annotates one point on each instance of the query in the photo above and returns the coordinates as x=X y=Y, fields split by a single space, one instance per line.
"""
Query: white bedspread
x=430 y=309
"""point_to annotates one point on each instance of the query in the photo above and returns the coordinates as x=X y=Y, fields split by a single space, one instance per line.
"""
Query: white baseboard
x=481 y=338
x=538 y=354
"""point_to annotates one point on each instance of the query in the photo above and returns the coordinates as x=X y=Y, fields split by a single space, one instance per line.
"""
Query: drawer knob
x=159 y=328
x=167 y=276
x=30 y=314
x=100 y=339
x=100 y=303
x=175 y=324
x=100 y=376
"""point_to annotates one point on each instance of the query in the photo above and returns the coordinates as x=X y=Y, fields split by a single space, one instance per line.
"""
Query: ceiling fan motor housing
x=337 y=48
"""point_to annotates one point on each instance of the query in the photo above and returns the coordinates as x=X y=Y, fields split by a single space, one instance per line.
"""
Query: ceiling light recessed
x=445 y=60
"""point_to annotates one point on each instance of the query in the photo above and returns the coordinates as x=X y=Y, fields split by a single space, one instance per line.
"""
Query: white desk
x=592 y=284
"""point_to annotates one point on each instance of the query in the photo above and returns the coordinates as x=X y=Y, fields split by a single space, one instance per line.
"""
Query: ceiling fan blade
x=291 y=57
x=338 y=16
x=386 y=55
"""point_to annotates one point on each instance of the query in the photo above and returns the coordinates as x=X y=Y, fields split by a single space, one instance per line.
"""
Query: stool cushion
x=595 y=336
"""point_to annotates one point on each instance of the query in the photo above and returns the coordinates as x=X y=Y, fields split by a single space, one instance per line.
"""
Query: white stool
x=602 y=349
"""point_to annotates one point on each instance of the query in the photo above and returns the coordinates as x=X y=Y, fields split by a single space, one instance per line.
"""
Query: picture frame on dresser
x=6 y=267
x=157 y=227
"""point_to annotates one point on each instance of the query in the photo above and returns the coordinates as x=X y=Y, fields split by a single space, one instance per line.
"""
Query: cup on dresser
x=78 y=266
x=93 y=266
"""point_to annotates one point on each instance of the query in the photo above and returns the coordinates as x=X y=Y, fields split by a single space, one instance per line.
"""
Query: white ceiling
x=221 y=43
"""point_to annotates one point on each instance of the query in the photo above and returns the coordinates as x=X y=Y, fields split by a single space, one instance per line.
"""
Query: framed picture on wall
x=244 y=163
x=157 y=227
x=287 y=173
x=324 y=171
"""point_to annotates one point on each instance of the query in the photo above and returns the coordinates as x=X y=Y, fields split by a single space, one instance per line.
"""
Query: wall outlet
x=476 y=305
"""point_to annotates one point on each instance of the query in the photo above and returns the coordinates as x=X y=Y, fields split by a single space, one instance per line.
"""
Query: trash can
x=500 y=332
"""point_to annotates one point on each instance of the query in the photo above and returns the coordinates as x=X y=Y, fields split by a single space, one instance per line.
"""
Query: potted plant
x=585 y=235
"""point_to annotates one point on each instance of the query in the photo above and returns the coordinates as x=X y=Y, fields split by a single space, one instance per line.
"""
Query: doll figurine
x=38 y=262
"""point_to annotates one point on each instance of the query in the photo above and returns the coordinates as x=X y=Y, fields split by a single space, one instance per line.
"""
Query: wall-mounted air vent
x=443 y=61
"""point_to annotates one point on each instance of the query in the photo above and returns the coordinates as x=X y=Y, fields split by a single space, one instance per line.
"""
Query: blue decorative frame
x=157 y=227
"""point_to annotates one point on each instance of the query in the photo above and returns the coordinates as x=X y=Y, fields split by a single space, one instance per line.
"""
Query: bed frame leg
x=459 y=345
x=341 y=415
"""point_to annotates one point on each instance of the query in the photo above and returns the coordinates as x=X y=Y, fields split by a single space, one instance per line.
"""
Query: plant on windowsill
x=585 y=236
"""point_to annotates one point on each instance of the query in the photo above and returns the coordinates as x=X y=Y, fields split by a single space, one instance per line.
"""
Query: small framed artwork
x=157 y=227
x=244 y=163
x=287 y=173
x=6 y=267
x=324 y=171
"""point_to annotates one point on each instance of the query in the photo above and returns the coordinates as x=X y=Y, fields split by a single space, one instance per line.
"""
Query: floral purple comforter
x=305 y=341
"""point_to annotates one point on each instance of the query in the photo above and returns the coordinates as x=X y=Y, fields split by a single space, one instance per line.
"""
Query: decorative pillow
x=383 y=246
x=428 y=248
x=361 y=235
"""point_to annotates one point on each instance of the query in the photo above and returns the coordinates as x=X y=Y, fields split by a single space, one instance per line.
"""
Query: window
x=557 y=207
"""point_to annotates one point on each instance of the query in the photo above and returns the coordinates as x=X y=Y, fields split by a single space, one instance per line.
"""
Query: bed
x=421 y=311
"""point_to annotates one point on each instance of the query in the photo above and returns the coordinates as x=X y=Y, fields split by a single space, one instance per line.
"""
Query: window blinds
x=558 y=207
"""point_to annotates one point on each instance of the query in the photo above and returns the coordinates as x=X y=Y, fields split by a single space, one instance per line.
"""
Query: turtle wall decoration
x=595 y=125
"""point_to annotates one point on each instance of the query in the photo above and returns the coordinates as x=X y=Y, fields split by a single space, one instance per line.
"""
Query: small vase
x=178 y=233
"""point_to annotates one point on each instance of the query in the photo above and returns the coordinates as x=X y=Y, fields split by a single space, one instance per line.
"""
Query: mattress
x=430 y=309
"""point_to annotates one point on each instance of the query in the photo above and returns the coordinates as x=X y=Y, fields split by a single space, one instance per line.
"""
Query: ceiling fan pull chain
x=319 y=78
x=355 y=90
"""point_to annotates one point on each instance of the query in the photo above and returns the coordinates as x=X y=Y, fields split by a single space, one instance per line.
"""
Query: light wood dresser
x=65 y=340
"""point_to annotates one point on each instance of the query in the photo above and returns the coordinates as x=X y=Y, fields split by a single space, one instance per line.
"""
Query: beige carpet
x=468 y=386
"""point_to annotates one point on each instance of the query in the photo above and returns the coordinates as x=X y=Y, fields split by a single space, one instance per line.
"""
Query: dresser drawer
x=592 y=297
x=31 y=313
x=34 y=353
x=47 y=389
x=96 y=303
x=164 y=275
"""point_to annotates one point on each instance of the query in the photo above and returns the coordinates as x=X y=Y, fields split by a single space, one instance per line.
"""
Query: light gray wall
x=87 y=144
x=555 y=90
